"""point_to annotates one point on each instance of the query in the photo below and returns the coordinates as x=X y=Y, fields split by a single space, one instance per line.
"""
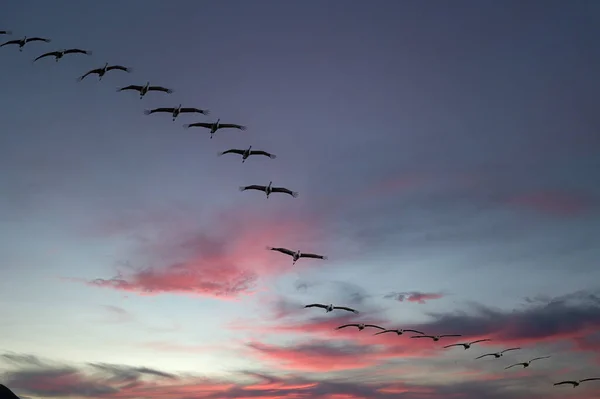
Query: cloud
x=223 y=259
x=559 y=203
x=414 y=296
x=118 y=314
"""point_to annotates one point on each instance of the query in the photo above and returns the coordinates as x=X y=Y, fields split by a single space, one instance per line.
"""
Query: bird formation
x=213 y=127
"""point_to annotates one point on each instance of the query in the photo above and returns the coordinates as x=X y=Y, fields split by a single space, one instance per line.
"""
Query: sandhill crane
x=296 y=255
x=400 y=331
x=436 y=338
x=330 y=307
x=497 y=354
x=360 y=326
x=102 y=71
x=467 y=345
x=145 y=89
x=22 y=42
x=176 y=111
x=215 y=126
x=247 y=152
x=61 y=53
x=526 y=364
x=269 y=189
x=576 y=383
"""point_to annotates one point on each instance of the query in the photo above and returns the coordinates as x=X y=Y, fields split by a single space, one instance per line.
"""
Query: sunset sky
x=447 y=159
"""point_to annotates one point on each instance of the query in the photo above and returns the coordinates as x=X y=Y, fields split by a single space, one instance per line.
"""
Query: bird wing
x=54 y=53
x=315 y=256
x=566 y=382
x=260 y=152
x=284 y=190
x=385 y=331
x=5 y=32
x=513 y=365
x=422 y=336
x=345 y=308
x=199 y=124
x=231 y=126
x=232 y=151
x=282 y=250
x=449 y=346
x=451 y=335
x=538 y=358
x=119 y=67
x=487 y=354
x=10 y=42
x=374 y=326
x=77 y=51
x=589 y=379
x=37 y=39
x=131 y=87
x=479 y=340
x=160 y=88
x=415 y=331
x=346 y=325
x=316 y=305
x=253 y=187
x=196 y=110
x=509 y=349
x=89 y=73
x=169 y=110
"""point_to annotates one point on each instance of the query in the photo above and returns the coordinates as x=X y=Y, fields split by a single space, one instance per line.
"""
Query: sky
x=446 y=156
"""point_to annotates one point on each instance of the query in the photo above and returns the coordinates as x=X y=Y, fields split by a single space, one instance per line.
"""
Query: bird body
x=268 y=190
x=247 y=152
x=497 y=354
x=330 y=307
x=61 y=53
x=297 y=254
x=435 y=338
x=576 y=383
x=467 y=345
x=526 y=364
x=215 y=126
x=143 y=90
x=102 y=71
x=175 y=112
x=360 y=326
x=22 y=42
x=399 y=331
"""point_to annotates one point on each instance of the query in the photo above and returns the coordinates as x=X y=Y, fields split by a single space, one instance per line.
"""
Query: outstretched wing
x=566 y=382
x=589 y=379
x=346 y=325
x=89 y=73
x=151 y=111
x=539 y=358
x=77 y=51
x=52 y=53
x=160 y=88
x=10 y=42
x=285 y=191
x=5 y=32
x=385 y=331
x=279 y=249
x=422 y=336
x=449 y=346
x=231 y=126
x=260 y=152
x=415 y=331
x=513 y=365
x=479 y=340
x=509 y=349
x=253 y=187
x=314 y=256
x=316 y=305
x=196 y=110
x=37 y=39
x=487 y=354
x=345 y=308
x=131 y=87
x=199 y=124
x=450 y=335
x=374 y=326
x=232 y=151
x=119 y=67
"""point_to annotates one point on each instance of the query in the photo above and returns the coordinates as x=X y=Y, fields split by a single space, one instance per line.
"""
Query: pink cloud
x=414 y=296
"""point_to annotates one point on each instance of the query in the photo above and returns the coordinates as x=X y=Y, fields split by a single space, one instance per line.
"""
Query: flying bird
x=497 y=354
x=330 y=307
x=436 y=338
x=215 y=126
x=297 y=255
x=145 y=89
x=5 y=32
x=102 y=71
x=526 y=364
x=61 y=53
x=176 y=111
x=399 y=331
x=467 y=345
x=360 y=326
x=268 y=189
x=247 y=152
x=22 y=42
x=576 y=383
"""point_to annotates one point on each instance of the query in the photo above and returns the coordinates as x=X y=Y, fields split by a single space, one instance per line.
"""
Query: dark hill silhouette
x=6 y=393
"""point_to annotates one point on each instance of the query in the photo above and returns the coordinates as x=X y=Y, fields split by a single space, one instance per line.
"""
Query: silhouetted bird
x=497 y=354
x=526 y=364
x=467 y=345
x=22 y=42
x=360 y=326
x=297 y=255
x=576 y=383
x=102 y=71
x=330 y=307
x=61 y=53
x=215 y=126
x=436 y=337
x=176 y=111
x=399 y=331
x=268 y=189
x=247 y=152
x=143 y=90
